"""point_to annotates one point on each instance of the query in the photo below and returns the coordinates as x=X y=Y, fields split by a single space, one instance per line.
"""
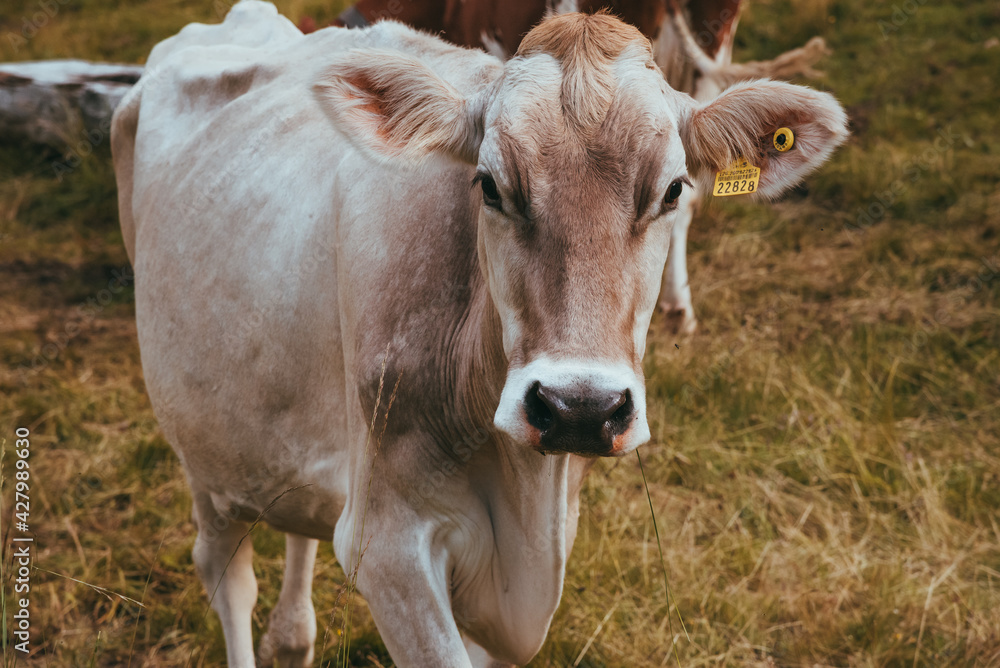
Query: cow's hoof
x=679 y=320
x=272 y=651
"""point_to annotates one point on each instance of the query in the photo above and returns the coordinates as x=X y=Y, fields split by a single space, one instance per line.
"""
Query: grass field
x=825 y=466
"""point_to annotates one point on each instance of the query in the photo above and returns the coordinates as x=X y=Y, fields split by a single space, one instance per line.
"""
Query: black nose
x=584 y=421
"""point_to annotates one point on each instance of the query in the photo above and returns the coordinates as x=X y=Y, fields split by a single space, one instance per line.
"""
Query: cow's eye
x=491 y=196
x=673 y=192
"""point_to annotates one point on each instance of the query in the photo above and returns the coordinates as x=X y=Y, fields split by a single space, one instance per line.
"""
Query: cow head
x=583 y=155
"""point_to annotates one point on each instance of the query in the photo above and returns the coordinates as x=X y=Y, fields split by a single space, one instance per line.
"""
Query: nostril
x=536 y=409
x=622 y=416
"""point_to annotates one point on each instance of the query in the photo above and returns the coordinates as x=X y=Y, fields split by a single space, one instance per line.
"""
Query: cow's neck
x=532 y=499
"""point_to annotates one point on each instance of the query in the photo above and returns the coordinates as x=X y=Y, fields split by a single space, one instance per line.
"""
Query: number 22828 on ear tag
x=739 y=178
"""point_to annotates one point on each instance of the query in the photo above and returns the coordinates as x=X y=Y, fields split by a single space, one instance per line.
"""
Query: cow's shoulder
x=208 y=65
x=250 y=24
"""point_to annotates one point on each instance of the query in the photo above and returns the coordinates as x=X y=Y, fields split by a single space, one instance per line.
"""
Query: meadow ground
x=824 y=464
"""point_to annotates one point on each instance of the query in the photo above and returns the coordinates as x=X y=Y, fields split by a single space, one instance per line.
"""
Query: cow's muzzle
x=592 y=410
x=582 y=422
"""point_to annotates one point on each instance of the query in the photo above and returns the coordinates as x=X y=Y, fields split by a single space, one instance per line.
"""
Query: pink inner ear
x=394 y=105
x=368 y=107
x=380 y=111
x=366 y=102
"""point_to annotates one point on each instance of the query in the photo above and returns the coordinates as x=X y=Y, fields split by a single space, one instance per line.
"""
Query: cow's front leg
x=223 y=557
x=401 y=567
x=407 y=593
x=675 y=292
x=291 y=632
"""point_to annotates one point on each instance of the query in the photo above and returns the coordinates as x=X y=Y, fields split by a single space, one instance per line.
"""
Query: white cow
x=314 y=219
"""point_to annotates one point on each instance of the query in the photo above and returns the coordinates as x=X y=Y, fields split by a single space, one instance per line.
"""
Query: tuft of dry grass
x=824 y=465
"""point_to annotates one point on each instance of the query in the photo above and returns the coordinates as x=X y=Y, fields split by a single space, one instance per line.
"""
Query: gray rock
x=63 y=104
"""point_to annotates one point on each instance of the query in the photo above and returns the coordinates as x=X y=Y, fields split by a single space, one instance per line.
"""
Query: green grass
x=824 y=464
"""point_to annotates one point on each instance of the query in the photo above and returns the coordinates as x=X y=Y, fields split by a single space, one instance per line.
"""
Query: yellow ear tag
x=784 y=139
x=739 y=178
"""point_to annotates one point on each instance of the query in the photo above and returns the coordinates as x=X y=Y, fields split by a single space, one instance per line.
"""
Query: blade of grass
x=663 y=567
x=101 y=590
x=353 y=578
x=253 y=525
x=597 y=631
x=149 y=576
x=344 y=649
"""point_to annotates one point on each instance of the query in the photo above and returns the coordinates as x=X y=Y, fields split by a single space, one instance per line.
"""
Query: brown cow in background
x=692 y=45
x=693 y=40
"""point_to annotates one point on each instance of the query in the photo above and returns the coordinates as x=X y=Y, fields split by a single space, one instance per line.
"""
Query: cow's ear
x=742 y=122
x=395 y=106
